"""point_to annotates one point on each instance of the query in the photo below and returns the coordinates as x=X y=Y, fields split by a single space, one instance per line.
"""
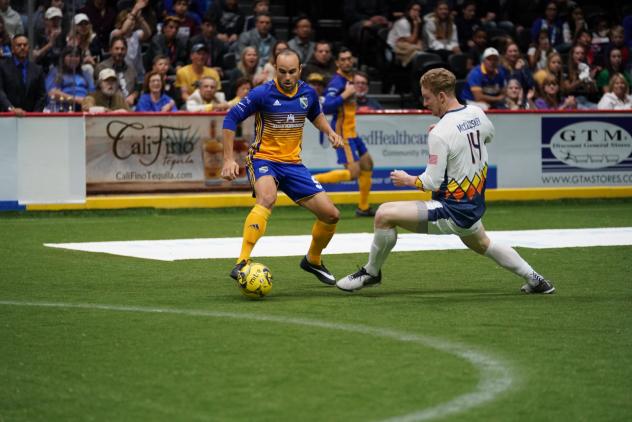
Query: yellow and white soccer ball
x=254 y=280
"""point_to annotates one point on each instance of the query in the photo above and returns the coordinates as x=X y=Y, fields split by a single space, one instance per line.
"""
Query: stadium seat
x=460 y=83
x=458 y=63
x=229 y=61
x=420 y=66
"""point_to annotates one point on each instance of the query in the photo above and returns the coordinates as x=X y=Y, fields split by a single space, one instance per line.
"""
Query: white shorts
x=448 y=226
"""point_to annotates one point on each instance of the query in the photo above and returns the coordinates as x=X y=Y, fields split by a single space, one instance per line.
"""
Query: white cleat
x=358 y=280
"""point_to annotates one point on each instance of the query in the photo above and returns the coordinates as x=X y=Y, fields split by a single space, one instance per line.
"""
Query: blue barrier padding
x=11 y=206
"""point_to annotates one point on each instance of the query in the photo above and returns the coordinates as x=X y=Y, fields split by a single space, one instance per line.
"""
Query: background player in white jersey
x=456 y=174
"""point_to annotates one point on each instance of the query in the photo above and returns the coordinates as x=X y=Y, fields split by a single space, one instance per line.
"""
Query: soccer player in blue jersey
x=340 y=100
x=456 y=174
x=281 y=107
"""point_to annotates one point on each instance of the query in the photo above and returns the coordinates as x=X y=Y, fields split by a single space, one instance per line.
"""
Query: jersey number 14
x=475 y=143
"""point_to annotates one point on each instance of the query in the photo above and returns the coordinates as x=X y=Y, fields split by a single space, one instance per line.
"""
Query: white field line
x=495 y=377
x=229 y=247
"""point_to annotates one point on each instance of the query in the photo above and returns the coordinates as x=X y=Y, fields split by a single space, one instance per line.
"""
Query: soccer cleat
x=234 y=273
x=544 y=286
x=369 y=212
x=358 y=280
x=320 y=271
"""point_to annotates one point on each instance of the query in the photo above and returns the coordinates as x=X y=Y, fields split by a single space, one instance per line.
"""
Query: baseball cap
x=81 y=17
x=316 y=78
x=199 y=47
x=490 y=51
x=53 y=12
x=107 y=73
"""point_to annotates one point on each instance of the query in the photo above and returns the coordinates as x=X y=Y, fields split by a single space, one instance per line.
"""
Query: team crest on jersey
x=303 y=102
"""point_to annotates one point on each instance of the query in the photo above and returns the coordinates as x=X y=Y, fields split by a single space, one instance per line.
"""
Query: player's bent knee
x=267 y=199
x=384 y=215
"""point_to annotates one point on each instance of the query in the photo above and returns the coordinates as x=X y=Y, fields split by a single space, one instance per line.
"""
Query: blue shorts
x=351 y=151
x=293 y=179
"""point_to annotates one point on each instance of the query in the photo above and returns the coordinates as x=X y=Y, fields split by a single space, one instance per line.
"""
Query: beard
x=108 y=91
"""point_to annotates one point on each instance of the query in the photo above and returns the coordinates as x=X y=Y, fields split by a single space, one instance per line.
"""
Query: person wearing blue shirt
x=485 y=84
x=67 y=81
x=154 y=98
x=281 y=108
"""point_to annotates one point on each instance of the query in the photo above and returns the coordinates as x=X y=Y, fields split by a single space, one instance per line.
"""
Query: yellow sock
x=364 y=185
x=321 y=235
x=254 y=228
x=334 y=176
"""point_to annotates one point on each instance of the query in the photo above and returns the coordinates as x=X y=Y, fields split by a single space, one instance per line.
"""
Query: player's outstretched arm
x=321 y=124
x=230 y=168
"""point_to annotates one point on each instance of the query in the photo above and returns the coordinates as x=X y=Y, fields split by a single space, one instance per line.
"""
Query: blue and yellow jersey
x=343 y=111
x=279 y=120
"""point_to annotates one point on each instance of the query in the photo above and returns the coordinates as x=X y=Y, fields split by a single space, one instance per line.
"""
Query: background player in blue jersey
x=455 y=173
x=340 y=100
x=274 y=162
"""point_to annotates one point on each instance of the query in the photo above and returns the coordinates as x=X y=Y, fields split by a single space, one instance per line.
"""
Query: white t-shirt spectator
x=610 y=101
x=401 y=28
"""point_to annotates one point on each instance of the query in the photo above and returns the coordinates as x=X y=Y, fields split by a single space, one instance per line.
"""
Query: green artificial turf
x=568 y=354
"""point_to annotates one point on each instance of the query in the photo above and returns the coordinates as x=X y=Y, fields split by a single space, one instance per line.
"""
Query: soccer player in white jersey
x=456 y=174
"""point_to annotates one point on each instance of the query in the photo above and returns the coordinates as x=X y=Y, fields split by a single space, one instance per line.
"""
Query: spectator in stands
x=363 y=102
x=87 y=41
x=50 y=43
x=550 y=97
x=197 y=8
x=259 y=38
x=167 y=43
x=440 y=31
x=189 y=75
x=550 y=23
x=229 y=19
x=516 y=67
x=216 y=48
x=580 y=80
x=364 y=19
x=515 y=98
x=5 y=41
x=466 y=22
x=614 y=65
x=246 y=68
x=322 y=62
x=126 y=74
x=617 y=40
x=258 y=7
x=206 y=97
x=12 y=19
x=22 y=86
x=162 y=65
x=591 y=51
x=38 y=18
x=189 y=22
x=485 y=84
x=538 y=53
x=574 y=23
x=268 y=72
x=618 y=95
x=317 y=81
x=601 y=33
x=477 y=47
x=302 y=42
x=553 y=67
x=154 y=97
x=108 y=96
x=102 y=15
x=132 y=26
x=242 y=88
x=67 y=82
x=405 y=36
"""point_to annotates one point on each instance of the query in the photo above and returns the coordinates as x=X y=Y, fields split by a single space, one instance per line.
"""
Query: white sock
x=383 y=242
x=508 y=258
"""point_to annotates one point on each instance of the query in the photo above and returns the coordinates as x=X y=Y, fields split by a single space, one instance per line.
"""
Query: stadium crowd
x=204 y=55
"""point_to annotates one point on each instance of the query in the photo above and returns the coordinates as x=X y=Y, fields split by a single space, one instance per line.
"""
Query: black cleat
x=320 y=271
x=359 y=280
x=544 y=286
x=234 y=273
x=369 y=212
